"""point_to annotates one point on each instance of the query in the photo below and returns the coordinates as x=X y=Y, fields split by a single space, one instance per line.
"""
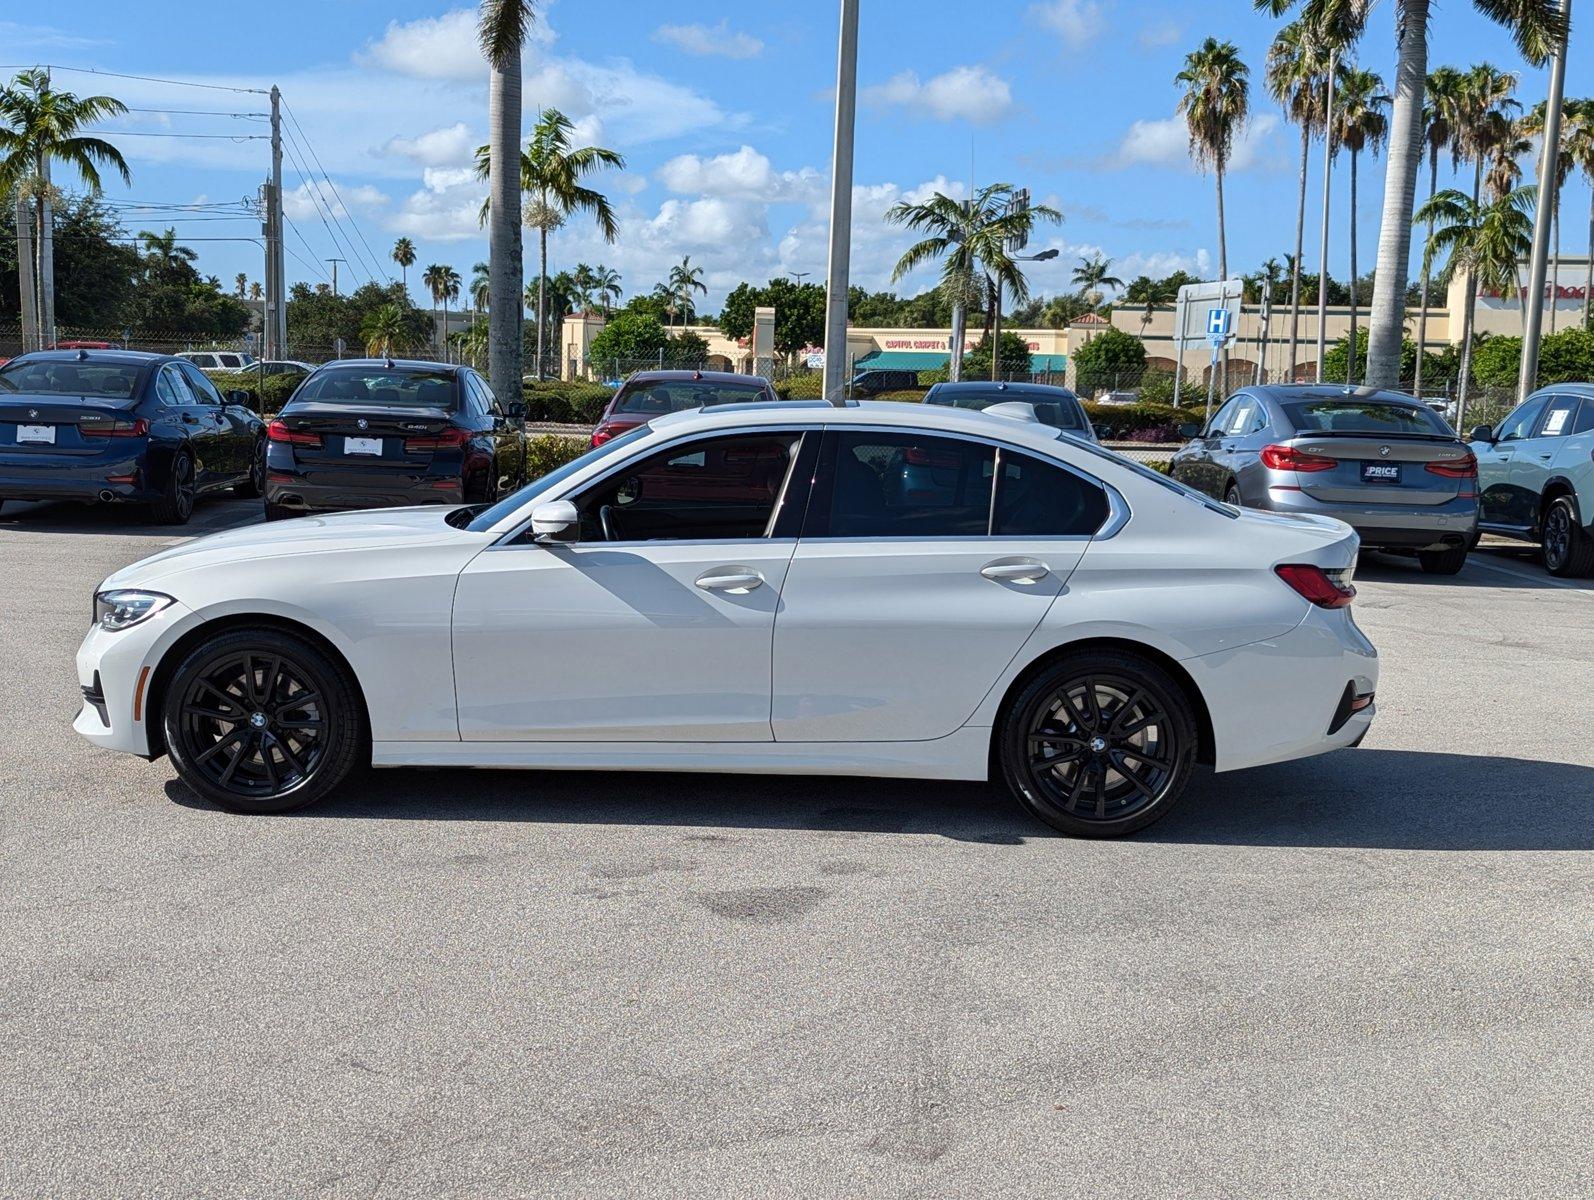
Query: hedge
x=1138 y=422
x=551 y=451
x=266 y=396
x=566 y=402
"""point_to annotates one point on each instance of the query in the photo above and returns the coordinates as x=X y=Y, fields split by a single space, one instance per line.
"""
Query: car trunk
x=365 y=438
x=61 y=426
x=1368 y=469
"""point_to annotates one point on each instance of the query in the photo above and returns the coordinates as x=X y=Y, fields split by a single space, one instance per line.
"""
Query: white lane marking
x=1539 y=577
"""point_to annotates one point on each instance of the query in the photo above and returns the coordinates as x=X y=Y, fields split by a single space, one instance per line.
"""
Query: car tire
x=262 y=721
x=1066 y=755
x=254 y=483
x=1443 y=562
x=1231 y=495
x=176 y=502
x=1568 y=551
x=276 y=512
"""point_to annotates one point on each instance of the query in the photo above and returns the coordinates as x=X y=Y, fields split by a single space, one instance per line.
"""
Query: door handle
x=1547 y=457
x=1015 y=570
x=736 y=580
x=188 y=418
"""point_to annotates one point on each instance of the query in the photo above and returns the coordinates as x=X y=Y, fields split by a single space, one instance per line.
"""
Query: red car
x=649 y=394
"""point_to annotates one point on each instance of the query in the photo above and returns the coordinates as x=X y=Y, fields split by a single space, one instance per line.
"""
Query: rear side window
x=1040 y=499
x=1376 y=417
x=904 y=485
x=1558 y=416
x=1585 y=417
x=677 y=395
x=379 y=385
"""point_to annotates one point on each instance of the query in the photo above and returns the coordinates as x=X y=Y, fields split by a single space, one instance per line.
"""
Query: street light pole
x=1549 y=172
x=841 y=205
x=1328 y=173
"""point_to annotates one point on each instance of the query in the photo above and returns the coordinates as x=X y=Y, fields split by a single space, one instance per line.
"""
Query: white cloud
x=1075 y=21
x=443 y=47
x=1166 y=143
x=745 y=174
x=967 y=93
x=716 y=41
x=1160 y=33
x=305 y=201
x=446 y=209
x=1161 y=263
x=448 y=146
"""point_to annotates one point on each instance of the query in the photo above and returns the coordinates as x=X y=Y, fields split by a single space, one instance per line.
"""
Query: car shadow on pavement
x=1373 y=799
x=1514 y=567
x=211 y=515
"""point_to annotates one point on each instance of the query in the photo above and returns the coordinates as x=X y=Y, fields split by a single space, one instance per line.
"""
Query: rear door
x=236 y=435
x=912 y=588
x=201 y=425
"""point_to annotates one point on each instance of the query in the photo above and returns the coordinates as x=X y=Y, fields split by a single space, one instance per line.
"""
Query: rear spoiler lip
x=1375 y=437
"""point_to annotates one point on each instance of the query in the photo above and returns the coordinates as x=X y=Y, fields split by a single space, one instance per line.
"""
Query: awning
x=1048 y=362
x=902 y=360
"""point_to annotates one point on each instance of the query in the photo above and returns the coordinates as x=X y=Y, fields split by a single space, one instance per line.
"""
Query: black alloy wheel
x=261 y=721
x=1567 y=549
x=176 y=503
x=1099 y=744
x=254 y=483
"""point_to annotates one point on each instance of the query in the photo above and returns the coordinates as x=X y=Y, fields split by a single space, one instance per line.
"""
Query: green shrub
x=1107 y=360
x=1162 y=466
x=1157 y=388
x=567 y=402
x=809 y=386
x=1137 y=422
x=905 y=396
x=267 y=396
x=552 y=451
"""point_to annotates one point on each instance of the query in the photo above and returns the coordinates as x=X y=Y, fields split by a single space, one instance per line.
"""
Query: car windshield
x=1060 y=412
x=89 y=380
x=397 y=386
x=480 y=521
x=1377 y=417
x=656 y=397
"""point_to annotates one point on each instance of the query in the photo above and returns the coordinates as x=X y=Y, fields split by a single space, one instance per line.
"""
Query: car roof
x=668 y=376
x=1287 y=393
x=123 y=357
x=395 y=364
x=1017 y=389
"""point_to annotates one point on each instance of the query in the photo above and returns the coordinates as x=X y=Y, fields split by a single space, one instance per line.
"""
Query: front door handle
x=1547 y=457
x=1015 y=570
x=738 y=581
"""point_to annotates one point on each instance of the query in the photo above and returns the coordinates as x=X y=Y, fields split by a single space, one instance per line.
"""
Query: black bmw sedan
x=379 y=433
x=123 y=426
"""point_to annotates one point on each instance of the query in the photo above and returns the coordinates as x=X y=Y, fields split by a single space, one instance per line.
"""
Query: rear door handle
x=736 y=580
x=1015 y=570
x=1547 y=457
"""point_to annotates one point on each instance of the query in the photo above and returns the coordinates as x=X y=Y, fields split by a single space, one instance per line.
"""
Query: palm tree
x=241 y=282
x=1580 y=145
x=1359 y=124
x=161 y=251
x=684 y=280
x=481 y=286
x=1532 y=125
x=404 y=255
x=582 y=283
x=970 y=238
x=1151 y=293
x=443 y=282
x=40 y=126
x=504 y=27
x=1296 y=75
x=384 y=330
x=606 y=286
x=255 y=290
x=551 y=170
x=1486 y=242
x=1215 y=104
x=1093 y=275
x=1441 y=118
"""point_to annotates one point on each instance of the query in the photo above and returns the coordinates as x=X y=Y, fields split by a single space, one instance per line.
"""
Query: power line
x=317 y=200
x=202 y=112
x=215 y=87
x=288 y=221
x=305 y=138
x=226 y=137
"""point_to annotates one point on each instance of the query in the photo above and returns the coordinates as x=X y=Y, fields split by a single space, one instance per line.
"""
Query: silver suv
x=1385 y=464
x=1536 y=475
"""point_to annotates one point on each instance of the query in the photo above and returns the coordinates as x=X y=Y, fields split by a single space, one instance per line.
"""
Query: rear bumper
x=299 y=495
x=1402 y=526
x=98 y=477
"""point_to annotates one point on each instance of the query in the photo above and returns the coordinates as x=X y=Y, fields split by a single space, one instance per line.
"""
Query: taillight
x=105 y=425
x=1324 y=588
x=450 y=438
x=1465 y=467
x=278 y=432
x=1287 y=458
x=919 y=457
x=603 y=433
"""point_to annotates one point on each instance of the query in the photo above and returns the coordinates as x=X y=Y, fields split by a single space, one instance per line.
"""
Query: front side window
x=1041 y=499
x=907 y=485
x=716 y=489
x=1221 y=419
x=1559 y=415
x=1520 y=423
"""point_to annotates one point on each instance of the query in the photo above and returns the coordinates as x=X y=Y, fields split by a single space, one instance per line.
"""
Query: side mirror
x=516 y=410
x=554 y=521
x=1189 y=430
x=243 y=399
x=1482 y=433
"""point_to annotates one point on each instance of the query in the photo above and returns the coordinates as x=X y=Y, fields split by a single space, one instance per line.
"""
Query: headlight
x=125 y=607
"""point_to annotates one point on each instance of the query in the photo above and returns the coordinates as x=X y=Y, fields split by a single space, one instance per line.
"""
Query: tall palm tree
x=1485 y=242
x=161 y=251
x=240 y=281
x=1215 y=105
x=970 y=239
x=684 y=280
x=481 y=286
x=40 y=126
x=1296 y=76
x=503 y=29
x=443 y=282
x=1150 y=292
x=551 y=170
x=1580 y=145
x=1359 y=124
x=255 y=290
x=1441 y=117
x=582 y=284
x=1094 y=276
x=404 y=255
x=383 y=330
x=606 y=286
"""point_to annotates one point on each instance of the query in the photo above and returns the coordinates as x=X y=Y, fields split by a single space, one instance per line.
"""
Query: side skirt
x=961 y=755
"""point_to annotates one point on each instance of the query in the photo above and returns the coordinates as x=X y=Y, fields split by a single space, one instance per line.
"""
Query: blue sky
x=723 y=111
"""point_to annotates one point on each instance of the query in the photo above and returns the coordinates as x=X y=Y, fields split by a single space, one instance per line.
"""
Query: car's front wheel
x=1099 y=743
x=1567 y=549
x=262 y=721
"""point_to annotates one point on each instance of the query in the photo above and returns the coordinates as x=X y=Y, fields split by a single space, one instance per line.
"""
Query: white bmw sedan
x=874 y=590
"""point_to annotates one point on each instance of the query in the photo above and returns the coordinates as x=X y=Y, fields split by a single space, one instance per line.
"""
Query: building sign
x=1576 y=292
x=936 y=344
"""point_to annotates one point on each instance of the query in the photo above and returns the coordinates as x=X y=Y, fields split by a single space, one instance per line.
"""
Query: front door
x=654 y=626
x=1535 y=458
x=1499 y=501
x=910 y=591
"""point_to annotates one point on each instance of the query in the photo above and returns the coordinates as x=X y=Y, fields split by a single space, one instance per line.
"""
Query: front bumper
x=116 y=671
x=1389 y=526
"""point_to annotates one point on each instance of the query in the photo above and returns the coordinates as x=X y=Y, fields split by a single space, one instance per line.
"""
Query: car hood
x=361 y=531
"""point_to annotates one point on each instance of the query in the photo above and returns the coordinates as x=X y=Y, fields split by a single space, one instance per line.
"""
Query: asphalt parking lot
x=1368 y=974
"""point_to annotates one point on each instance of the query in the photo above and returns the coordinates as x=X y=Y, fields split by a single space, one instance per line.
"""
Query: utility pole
x=1328 y=172
x=46 y=251
x=1549 y=164
x=335 y=262
x=25 y=263
x=841 y=206
x=274 y=326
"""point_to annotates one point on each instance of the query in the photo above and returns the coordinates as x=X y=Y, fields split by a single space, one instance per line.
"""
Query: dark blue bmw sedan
x=123 y=426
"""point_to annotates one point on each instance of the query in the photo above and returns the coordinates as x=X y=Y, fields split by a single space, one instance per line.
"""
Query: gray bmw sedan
x=1382 y=462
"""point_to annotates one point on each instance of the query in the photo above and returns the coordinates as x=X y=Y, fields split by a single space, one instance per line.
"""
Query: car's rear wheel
x=254 y=483
x=1232 y=496
x=1567 y=549
x=262 y=721
x=276 y=512
x=1443 y=562
x=176 y=502
x=1099 y=743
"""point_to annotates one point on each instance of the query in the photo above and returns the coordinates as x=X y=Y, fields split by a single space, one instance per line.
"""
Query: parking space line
x=1538 y=577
